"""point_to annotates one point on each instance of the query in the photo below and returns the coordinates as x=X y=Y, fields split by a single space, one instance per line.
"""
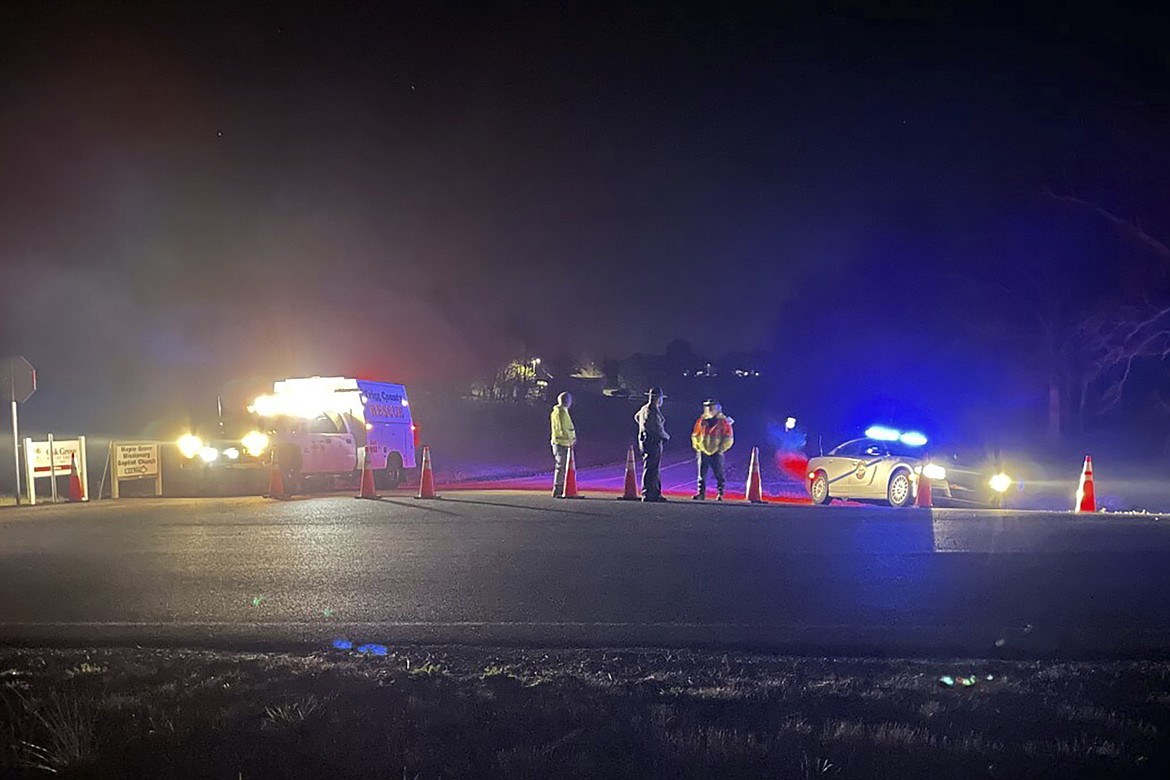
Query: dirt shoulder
x=430 y=712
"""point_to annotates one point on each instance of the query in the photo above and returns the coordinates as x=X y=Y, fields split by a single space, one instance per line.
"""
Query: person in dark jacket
x=651 y=436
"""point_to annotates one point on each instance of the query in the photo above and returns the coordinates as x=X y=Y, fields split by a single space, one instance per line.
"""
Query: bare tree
x=1118 y=337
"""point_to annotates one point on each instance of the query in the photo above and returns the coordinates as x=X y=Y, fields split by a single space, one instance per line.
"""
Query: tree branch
x=1129 y=228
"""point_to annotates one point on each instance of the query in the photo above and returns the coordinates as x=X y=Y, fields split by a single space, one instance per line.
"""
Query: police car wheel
x=899 y=493
x=819 y=489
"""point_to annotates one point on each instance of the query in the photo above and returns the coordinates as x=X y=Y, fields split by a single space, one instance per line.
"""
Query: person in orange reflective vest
x=711 y=437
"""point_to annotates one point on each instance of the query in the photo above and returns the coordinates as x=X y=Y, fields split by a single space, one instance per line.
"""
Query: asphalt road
x=519 y=568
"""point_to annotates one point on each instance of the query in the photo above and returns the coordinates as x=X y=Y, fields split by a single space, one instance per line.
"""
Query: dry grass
x=464 y=712
x=51 y=734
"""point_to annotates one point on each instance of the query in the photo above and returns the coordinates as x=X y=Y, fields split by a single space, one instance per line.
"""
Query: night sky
x=191 y=199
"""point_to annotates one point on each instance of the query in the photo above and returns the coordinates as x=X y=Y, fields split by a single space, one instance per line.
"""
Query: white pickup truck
x=329 y=426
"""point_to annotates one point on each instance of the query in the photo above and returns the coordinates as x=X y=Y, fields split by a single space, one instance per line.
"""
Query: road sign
x=18 y=379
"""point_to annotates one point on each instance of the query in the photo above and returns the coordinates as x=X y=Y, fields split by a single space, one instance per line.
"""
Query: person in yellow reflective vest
x=712 y=436
x=564 y=436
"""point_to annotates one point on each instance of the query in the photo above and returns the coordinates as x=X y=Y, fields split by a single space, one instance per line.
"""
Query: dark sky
x=191 y=197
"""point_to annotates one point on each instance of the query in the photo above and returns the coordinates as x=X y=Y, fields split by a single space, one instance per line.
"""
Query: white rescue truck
x=328 y=426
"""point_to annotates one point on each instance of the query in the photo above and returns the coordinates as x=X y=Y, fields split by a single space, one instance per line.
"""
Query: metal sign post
x=52 y=470
x=16 y=450
x=18 y=381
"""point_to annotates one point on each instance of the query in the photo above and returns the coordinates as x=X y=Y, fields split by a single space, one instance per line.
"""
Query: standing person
x=564 y=436
x=711 y=437
x=651 y=436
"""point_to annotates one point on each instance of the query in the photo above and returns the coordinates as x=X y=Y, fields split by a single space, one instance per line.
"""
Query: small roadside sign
x=53 y=458
x=134 y=460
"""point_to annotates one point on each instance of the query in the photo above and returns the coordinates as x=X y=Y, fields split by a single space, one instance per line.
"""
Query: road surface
x=520 y=568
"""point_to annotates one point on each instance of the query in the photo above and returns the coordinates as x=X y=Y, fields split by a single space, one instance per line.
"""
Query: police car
x=887 y=465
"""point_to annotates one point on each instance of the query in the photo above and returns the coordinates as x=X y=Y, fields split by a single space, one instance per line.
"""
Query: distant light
x=1000 y=482
x=232 y=453
x=208 y=454
x=912 y=439
x=790 y=423
x=881 y=433
x=189 y=445
x=934 y=471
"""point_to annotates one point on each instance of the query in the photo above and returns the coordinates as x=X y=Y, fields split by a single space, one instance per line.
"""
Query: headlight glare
x=934 y=471
x=1000 y=482
x=189 y=445
x=255 y=443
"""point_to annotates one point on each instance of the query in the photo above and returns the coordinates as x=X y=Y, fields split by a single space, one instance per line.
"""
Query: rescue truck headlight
x=189 y=445
x=208 y=454
x=255 y=443
x=934 y=471
x=1000 y=482
x=231 y=453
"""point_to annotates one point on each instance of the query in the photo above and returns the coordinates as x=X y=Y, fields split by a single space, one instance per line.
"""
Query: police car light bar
x=882 y=433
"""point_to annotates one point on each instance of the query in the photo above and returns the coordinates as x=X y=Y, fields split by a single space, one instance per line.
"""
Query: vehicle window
x=899 y=450
x=851 y=449
x=873 y=450
x=322 y=425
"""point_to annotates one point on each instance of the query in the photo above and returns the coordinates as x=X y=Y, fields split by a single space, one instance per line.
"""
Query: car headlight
x=934 y=471
x=208 y=454
x=231 y=453
x=189 y=445
x=255 y=443
x=1000 y=482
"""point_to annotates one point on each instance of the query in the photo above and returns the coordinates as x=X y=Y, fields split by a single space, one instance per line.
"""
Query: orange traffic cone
x=366 y=489
x=275 y=480
x=571 y=478
x=753 y=485
x=1086 y=499
x=630 y=492
x=75 y=491
x=924 y=498
x=426 y=481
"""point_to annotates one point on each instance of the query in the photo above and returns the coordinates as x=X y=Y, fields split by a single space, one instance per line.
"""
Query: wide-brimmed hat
x=655 y=392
